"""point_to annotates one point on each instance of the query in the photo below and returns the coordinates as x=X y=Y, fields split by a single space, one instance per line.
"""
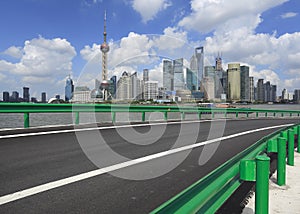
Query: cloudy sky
x=43 y=41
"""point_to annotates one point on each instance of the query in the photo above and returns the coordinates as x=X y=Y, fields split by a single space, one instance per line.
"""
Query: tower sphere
x=104 y=48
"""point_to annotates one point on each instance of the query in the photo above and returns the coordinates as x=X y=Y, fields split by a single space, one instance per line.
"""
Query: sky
x=44 y=41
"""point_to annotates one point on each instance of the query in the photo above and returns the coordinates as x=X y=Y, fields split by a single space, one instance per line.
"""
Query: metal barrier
x=209 y=193
x=28 y=108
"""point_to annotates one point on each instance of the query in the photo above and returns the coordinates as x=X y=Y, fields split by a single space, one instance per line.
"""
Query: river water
x=12 y=120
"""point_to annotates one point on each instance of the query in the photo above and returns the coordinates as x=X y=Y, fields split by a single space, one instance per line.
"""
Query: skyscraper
x=26 y=96
x=178 y=74
x=113 y=86
x=44 y=99
x=297 y=96
x=5 y=96
x=194 y=69
x=199 y=52
x=168 y=75
x=15 y=96
x=69 y=89
x=146 y=75
x=273 y=93
x=267 y=92
x=260 y=90
x=234 y=82
x=104 y=49
x=245 y=84
x=219 y=66
x=124 y=87
x=136 y=90
x=191 y=80
x=251 y=83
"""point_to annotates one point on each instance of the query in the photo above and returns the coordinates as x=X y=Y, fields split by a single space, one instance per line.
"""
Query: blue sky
x=42 y=41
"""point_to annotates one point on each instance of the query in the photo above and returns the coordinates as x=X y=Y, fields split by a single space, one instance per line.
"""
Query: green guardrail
x=209 y=193
x=27 y=108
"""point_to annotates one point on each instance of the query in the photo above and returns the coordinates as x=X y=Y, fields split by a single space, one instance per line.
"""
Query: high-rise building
x=178 y=74
x=194 y=69
x=209 y=87
x=267 y=90
x=234 y=82
x=219 y=66
x=209 y=82
x=297 y=96
x=245 y=84
x=26 y=96
x=168 y=75
x=199 y=53
x=136 y=90
x=191 y=80
x=273 y=93
x=124 y=87
x=224 y=83
x=285 y=95
x=113 y=86
x=15 y=96
x=251 y=84
x=5 y=96
x=69 y=89
x=146 y=75
x=151 y=90
x=44 y=98
x=260 y=90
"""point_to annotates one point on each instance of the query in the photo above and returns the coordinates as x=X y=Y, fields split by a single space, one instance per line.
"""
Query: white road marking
x=102 y=128
x=59 y=183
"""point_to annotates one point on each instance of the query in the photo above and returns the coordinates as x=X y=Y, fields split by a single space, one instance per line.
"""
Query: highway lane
x=33 y=160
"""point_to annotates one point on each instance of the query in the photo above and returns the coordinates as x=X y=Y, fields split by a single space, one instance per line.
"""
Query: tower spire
x=104 y=32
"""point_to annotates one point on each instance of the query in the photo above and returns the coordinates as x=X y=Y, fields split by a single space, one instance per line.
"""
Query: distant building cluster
x=15 y=97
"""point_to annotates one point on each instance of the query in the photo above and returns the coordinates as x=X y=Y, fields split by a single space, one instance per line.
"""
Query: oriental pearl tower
x=104 y=49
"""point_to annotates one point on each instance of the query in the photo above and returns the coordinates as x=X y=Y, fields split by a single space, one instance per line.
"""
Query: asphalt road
x=42 y=156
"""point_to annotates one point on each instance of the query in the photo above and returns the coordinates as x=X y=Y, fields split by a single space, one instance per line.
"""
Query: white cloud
x=14 y=51
x=288 y=15
x=207 y=15
x=149 y=9
x=43 y=63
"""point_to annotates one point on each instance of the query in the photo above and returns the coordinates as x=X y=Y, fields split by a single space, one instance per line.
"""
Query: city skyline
x=41 y=54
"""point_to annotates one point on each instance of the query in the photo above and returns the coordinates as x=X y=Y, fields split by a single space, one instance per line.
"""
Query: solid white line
x=55 y=184
x=100 y=128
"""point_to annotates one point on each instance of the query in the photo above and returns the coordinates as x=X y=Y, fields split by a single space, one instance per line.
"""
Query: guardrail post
x=266 y=114
x=166 y=115
x=291 y=144
x=182 y=115
x=298 y=147
x=143 y=116
x=113 y=117
x=282 y=114
x=262 y=184
x=77 y=117
x=225 y=114
x=281 y=161
x=256 y=114
x=274 y=114
x=213 y=114
x=247 y=114
x=236 y=114
x=291 y=114
x=26 y=120
x=199 y=115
